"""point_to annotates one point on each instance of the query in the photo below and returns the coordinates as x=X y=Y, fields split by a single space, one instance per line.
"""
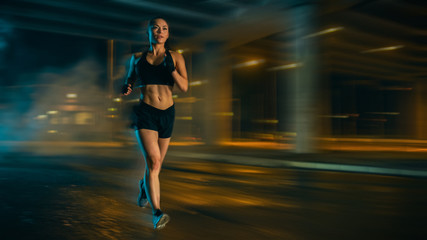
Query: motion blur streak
x=258 y=71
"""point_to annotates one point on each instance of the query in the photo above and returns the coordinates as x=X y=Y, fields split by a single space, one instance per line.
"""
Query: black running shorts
x=148 y=117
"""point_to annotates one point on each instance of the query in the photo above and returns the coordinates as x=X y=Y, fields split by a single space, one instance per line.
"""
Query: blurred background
x=303 y=120
x=296 y=75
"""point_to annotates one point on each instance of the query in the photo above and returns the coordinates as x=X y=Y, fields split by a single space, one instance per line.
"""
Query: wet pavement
x=92 y=194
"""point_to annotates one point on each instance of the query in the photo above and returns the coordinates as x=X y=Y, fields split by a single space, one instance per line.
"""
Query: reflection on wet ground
x=86 y=197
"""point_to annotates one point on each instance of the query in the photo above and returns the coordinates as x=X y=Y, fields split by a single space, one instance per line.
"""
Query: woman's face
x=159 y=31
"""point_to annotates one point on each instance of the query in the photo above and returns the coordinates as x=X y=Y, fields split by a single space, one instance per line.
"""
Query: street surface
x=92 y=195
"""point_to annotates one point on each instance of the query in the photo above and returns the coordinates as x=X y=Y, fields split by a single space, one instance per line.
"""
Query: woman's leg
x=163 y=145
x=149 y=142
x=142 y=200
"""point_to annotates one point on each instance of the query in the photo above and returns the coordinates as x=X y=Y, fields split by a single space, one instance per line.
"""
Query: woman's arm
x=131 y=77
x=180 y=73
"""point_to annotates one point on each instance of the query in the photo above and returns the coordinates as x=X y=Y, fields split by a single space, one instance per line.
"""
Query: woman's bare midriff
x=158 y=96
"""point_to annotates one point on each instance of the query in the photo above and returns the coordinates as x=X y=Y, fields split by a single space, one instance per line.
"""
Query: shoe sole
x=162 y=222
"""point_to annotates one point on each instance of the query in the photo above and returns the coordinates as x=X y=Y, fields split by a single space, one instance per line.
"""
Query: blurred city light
x=329 y=30
x=71 y=95
x=249 y=63
x=186 y=100
x=188 y=118
x=198 y=82
x=195 y=83
x=391 y=48
x=43 y=116
x=224 y=114
x=385 y=113
x=270 y=121
x=284 y=67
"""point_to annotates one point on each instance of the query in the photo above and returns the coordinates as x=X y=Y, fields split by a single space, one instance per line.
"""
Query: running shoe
x=160 y=220
x=142 y=197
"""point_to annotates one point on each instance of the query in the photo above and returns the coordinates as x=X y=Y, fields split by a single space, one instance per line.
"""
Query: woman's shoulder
x=137 y=55
x=176 y=55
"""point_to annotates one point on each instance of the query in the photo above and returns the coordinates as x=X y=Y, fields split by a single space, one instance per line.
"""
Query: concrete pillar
x=216 y=94
x=304 y=80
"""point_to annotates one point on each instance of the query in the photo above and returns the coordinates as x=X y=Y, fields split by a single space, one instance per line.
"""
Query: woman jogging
x=158 y=69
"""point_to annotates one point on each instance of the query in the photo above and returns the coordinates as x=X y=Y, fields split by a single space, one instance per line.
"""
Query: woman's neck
x=157 y=49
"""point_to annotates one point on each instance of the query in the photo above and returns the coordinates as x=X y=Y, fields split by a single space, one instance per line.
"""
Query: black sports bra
x=152 y=74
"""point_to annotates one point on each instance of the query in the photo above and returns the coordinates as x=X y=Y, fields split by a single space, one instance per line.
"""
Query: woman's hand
x=126 y=89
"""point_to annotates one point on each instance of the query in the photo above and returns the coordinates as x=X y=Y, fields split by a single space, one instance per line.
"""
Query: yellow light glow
x=187 y=100
x=52 y=112
x=284 y=67
x=326 y=31
x=198 y=83
x=391 y=48
x=258 y=144
x=180 y=51
x=184 y=118
x=117 y=99
x=290 y=134
x=227 y=114
x=249 y=63
x=336 y=116
x=385 y=113
x=112 y=109
x=71 y=95
x=52 y=131
x=270 y=121
x=43 y=116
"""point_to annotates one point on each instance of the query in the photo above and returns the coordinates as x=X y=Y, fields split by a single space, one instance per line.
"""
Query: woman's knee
x=154 y=162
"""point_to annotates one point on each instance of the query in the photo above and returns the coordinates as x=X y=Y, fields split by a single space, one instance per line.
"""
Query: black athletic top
x=152 y=74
